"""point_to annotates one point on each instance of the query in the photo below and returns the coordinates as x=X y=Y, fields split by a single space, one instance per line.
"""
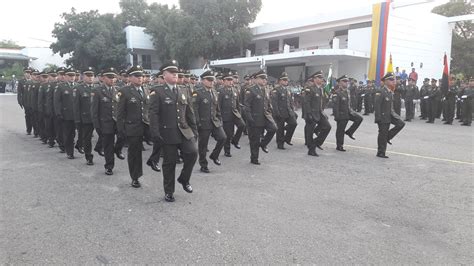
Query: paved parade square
x=339 y=208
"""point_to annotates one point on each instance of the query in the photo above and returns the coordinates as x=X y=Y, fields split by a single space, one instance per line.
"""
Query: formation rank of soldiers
x=177 y=114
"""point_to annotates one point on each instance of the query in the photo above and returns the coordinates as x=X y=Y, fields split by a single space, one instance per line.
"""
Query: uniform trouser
x=359 y=103
x=34 y=121
x=28 y=118
x=58 y=127
x=108 y=146
x=467 y=111
x=366 y=105
x=385 y=134
x=458 y=109
x=146 y=132
x=432 y=109
x=119 y=143
x=256 y=142
x=409 y=109
x=98 y=145
x=439 y=108
x=134 y=156
x=155 y=154
x=341 y=127
x=449 y=106
x=229 y=132
x=170 y=155
x=323 y=128
x=204 y=134
x=49 y=128
x=69 y=132
x=86 y=141
x=281 y=135
x=41 y=126
x=424 y=108
x=397 y=106
x=80 y=137
x=353 y=102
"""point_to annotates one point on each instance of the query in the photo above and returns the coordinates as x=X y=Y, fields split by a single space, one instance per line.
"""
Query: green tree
x=462 y=51
x=9 y=44
x=16 y=69
x=91 y=39
x=209 y=28
x=134 y=13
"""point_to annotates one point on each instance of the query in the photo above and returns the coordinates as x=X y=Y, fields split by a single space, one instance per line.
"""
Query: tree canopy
x=91 y=39
x=9 y=44
x=462 y=51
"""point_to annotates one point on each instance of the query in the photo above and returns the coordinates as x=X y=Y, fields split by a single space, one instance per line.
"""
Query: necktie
x=140 y=91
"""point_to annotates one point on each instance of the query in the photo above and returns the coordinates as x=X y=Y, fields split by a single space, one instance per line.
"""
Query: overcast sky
x=30 y=22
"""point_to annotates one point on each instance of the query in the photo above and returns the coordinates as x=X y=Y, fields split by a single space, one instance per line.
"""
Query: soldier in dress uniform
x=283 y=111
x=449 y=102
x=82 y=112
x=63 y=105
x=410 y=94
x=385 y=115
x=467 y=103
x=209 y=120
x=343 y=113
x=42 y=105
x=258 y=112
x=314 y=115
x=173 y=125
x=58 y=121
x=425 y=90
x=49 y=116
x=22 y=94
x=230 y=107
x=103 y=113
x=33 y=101
x=397 y=96
x=154 y=159
x=434 y=97
x=130 y=116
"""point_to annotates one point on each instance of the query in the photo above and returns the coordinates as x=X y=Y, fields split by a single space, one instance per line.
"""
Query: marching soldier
x=449 y=103
x=154 y=159
x=49 y=116
x=209 y=120
x=42 y=105
x=314 y=115
x=467 y=103
x=397 y=96
x=33 y=101
x=173 y=125
x=410 y=94
x=58 y=121
x=22 y=94
x=424 y=96
x=343 y=113
x=283 y=112
x=63 y=105
x=130 y=115
x=433 y=100
x=385 y=115
x=82 y=112
x=103 y=113
x=258 y=112
x=229 y=103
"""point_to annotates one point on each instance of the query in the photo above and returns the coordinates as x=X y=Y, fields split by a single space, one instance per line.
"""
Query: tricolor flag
x=444 y=80
x=328 y=87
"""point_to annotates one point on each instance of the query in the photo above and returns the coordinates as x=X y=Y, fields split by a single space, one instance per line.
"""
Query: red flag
x=444 y=80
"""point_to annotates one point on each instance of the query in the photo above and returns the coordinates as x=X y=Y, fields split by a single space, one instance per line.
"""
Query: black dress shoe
x=466 y=124
x=100 y=152
x=429 y=121
x=264 y=149
x=169 y=197
x=319 y=147
x=448 y=123
x=90 y=162
x=227 y=154
x=350 y=136
x=388 y=141
x=120 y=155
x=79 y=150
x=204 y=169
x=312 y=153
x=70 y=157
x=289 y=143
x=136 y=184
x=62 y=150
x=154 y=166
x=340 y=148
x=215 y=160
x=109 y=172
x=51 y=146
x=281 y=147
x=236 y=145
x=186 y=186
x=382 y=155
x=28 y=133
x=255 y=162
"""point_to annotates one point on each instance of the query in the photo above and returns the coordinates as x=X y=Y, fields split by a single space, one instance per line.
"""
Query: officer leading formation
x=177 y=112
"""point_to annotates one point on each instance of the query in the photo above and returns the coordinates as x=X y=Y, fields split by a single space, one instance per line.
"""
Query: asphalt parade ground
x=340 y=208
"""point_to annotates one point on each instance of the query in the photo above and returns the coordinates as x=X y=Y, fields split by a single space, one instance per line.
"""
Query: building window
x=294 y=43
x=146 y=61
x=135 y=59
x=273 y=46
